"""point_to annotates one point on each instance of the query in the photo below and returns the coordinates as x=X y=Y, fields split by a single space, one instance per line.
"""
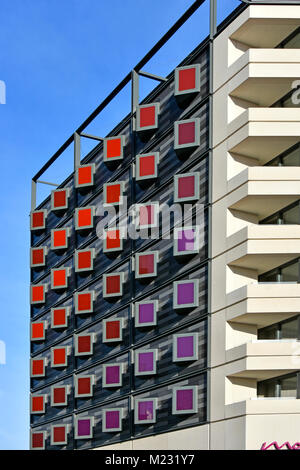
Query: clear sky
x=59 y=60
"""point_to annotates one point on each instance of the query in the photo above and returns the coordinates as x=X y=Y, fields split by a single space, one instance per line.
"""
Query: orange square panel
x=113 y=148
x=59 y=238
x=59 y=278
x=59 y=356
x=84 y=218
x=113 y=192
x=84 y=260
x=112 y=241
x=38 y=219
x=84 y=176
x=38 y=331
x=59 y=317
x=38 y=293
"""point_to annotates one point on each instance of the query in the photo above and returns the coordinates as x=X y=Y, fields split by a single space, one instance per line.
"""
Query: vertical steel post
x=33 y=195
x=76 y=150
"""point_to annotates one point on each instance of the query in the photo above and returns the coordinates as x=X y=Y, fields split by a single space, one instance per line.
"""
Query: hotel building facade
x=188 y=338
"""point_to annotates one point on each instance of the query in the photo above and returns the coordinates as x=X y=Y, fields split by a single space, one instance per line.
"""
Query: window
x=279 y=387
x=84 y=386
x=59 y=434
x=113 y=148
x=38 y=293
x=186 y=187
x=59 y=238
x=147 y=215
x=84 y=302
x=187 y=79
x=146 y=264
x=146 y=166
x=185 y=347
x=84 y=427
x=38 y=440
x=59 y=317
x=187 y=134
x=112 y=331
x=38 y=404
x=38 y=367
x=112 y=240
x=84 y=218
x=84 y=260
x=287 y=329
x=38 y=257
x=113 y=193
x=59 y=395
x=146 y=313
x=112 y=375
x=186 y=294
x=59 y=278
x=113 y=284
x=59 y=356
x=112 y=419
x=147 y=117
x=84 y=176
x=145 y=362
x=186 y=241
x=145 y=410
x=38 y=330
x=84 y=344
x=59 y=199
x=184 y=400
x=38 y=219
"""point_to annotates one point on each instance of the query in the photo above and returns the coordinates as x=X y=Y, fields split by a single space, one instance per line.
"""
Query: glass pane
x=290 y=273
x=288 y=103
x=289 y=329
x=289 y=387
x=271 y=220
x=292 y=159
x=293 y=43
x=269 y=277
x=266 y=389
x=269 y=332
x=291 y=216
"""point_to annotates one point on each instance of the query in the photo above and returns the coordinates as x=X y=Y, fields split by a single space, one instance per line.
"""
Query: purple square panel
x=145 y=410
x=185 y=346
x=112 y=375
x=83 y=427
x=186 y=240
x=185 y=293
x=146 y=313
x=112 y=419
x=146 y=361
x=184 y=399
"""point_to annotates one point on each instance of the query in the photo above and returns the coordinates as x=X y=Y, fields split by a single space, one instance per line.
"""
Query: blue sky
x=59 y=60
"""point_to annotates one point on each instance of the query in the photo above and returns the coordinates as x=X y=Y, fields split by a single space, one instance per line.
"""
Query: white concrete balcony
x=263 y=247
x=263 y=76
x=264 y=133
x=270 y=406
x=262 y=360
x=263 y=304
x=264 y=190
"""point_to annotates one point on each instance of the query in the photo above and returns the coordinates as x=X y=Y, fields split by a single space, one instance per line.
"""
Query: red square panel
x=59 y=199
x=113 y=148
x=113 y=193
x=37 y=331
x=84 y=344
x=59 y=396
x=186 y=187
x=147 y=116
x=112 y=330
x=83 y=260
x=59 y=435
x=186 y=133
x=187 y=79
x=37 y=367
x=59 y=357
x=147 y=165
x=84 y=176
x=38 y=256
x=146 y=264
x=112 y=241
x=112 y=285
x=38 y=294
x=37 y=404
x=59 y=317
x=59 y=278
x=37 y=440
x=147 y=215
x=38 y=220
x=84 y=302
x=83 y=386
x=84 y=218
x=59 y=238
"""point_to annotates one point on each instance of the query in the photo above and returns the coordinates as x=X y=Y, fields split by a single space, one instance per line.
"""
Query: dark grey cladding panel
x=166 y=369
x=68 y=420
x=165 y=420
x=101 y=394
x=55 y=412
